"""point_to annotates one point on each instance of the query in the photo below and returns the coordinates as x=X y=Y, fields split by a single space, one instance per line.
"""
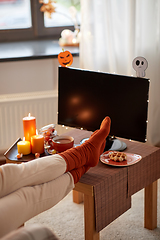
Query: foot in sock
x=78 y=172
x=89 y=152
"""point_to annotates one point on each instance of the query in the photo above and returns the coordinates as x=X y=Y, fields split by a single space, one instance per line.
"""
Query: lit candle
x=37 y=144
x=29 y=127
x=24 y=147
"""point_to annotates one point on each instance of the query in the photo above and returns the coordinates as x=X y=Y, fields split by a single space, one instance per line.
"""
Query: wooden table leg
x=150 y=213
x=77 y=197
x=89 y=217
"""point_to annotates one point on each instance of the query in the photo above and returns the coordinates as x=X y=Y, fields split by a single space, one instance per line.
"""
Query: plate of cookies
x=119 y=159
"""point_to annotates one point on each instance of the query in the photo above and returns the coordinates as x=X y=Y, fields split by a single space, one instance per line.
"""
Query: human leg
x=15 y=176
x=88 y=153
x=78 y=172
x=27 y=202
x=38 y=171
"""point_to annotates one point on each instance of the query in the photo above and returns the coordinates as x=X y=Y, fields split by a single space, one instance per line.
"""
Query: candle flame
x=23 y=138
x=29 y=114
x=36 y=132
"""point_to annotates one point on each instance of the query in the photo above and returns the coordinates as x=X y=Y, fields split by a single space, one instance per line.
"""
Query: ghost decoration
x=140 y=64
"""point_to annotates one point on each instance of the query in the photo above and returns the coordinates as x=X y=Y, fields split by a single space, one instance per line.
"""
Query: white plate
x=131 y=159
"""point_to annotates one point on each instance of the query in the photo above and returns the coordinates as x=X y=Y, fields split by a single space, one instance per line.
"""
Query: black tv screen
x=86 y=97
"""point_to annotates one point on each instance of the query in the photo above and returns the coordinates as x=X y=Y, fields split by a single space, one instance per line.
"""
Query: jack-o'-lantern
x=65 y=58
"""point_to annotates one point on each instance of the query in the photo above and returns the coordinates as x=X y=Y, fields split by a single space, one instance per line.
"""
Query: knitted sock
x=78 y=172
x=89 y=152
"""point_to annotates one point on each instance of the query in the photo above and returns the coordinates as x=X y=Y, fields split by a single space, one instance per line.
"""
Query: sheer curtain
x=113 y=33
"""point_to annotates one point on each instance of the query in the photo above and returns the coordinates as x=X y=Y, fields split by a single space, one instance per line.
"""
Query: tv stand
x=112 y=143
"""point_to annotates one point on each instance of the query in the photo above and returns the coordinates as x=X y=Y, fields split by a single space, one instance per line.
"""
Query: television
x=86 y=97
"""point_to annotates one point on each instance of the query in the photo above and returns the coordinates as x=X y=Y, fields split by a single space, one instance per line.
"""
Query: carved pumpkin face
x=65 y=58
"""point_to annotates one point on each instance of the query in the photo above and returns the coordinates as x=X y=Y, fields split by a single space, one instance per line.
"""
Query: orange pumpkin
x=65 y=58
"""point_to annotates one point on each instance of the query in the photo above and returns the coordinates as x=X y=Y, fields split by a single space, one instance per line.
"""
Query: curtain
x=113 y=33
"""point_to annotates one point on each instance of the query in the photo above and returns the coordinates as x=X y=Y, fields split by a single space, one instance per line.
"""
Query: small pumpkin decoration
x=65 y=58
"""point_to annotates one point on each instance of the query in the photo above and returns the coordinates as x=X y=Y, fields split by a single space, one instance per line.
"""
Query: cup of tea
x=62 y=143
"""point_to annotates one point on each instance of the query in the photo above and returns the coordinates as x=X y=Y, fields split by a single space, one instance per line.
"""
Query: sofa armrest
x=31 y=232
x=2 y=157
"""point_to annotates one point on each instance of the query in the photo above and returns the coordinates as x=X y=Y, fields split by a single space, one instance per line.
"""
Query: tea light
x=37 y=143
x=29 y=127
x=24 y=147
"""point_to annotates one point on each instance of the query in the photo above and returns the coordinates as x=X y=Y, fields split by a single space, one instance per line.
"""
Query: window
x=24 y=20
x=63 y=14
x=15 y=14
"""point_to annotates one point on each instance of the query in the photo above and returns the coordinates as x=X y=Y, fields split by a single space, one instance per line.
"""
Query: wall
x=28 y=78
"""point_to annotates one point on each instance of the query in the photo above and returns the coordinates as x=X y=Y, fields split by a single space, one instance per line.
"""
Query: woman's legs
x=43 y=182
x=88 y=153
x=25 y=203
x=15 y=176
x=38 y=171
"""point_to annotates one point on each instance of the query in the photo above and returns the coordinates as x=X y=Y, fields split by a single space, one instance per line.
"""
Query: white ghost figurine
x=140 y=64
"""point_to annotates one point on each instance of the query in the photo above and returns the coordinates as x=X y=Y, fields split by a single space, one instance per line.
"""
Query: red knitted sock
x=89 y=152
x=78 y=172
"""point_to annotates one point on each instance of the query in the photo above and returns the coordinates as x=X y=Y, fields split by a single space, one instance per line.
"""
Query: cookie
x=117 y=156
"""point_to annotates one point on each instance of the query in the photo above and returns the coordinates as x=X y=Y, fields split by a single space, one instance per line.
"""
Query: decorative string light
x=74 y=40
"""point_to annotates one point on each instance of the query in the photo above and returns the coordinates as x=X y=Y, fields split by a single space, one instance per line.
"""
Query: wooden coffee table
x=85 y=189
x=83 y=192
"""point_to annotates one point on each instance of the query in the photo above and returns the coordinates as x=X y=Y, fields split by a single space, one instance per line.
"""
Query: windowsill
x=31 y=50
